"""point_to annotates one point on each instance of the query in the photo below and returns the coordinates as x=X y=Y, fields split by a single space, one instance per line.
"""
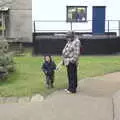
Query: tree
x=6 y=60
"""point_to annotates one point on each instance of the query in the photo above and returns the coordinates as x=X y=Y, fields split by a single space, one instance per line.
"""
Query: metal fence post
x=71 y=26
x=119 y=27
x=108 y=26
x=34 y=27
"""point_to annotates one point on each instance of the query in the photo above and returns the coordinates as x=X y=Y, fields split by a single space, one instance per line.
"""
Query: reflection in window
x=76 y=13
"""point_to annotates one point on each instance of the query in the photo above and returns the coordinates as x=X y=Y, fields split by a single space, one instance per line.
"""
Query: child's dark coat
x=48 y=67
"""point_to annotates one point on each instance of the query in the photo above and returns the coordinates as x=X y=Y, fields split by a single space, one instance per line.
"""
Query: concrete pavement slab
x=61 y=106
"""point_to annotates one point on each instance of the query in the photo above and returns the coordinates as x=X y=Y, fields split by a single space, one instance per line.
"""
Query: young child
x=48 y=68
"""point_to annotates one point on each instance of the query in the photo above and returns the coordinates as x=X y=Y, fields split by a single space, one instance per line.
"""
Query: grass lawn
x=29 y=79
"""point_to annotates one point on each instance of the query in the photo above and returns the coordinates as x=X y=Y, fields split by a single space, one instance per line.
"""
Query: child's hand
x=57 y=68
x=45 y=72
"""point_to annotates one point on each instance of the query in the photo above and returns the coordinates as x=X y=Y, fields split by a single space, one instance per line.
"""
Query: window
x=3 y=18
x=76 y=13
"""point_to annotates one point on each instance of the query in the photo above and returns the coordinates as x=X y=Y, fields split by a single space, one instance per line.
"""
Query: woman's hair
x=70 y=34
x=49 y=57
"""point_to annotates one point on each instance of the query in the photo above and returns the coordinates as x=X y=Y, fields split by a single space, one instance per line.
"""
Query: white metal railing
x=63 y=26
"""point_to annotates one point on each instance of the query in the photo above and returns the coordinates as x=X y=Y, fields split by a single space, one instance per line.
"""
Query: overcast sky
x=56 y=10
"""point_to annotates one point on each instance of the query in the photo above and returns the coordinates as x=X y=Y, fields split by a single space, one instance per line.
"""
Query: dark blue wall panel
x=98 y=25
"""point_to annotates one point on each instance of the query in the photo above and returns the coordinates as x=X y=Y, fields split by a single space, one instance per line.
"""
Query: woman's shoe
x=67 y=91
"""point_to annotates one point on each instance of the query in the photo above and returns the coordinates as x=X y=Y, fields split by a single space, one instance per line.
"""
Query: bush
x=6 y=60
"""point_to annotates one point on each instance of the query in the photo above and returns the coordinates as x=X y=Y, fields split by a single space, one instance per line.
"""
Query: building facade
x=16 y=20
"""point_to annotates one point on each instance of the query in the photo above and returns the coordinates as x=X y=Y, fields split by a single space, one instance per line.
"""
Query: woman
x=70 y=55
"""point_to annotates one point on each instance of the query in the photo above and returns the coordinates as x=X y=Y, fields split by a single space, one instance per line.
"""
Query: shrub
x=6 y=60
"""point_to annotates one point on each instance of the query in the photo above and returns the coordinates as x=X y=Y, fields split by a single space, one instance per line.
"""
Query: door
x=98 y=23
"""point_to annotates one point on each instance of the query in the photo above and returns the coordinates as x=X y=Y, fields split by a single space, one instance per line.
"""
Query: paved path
x=97 y=99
